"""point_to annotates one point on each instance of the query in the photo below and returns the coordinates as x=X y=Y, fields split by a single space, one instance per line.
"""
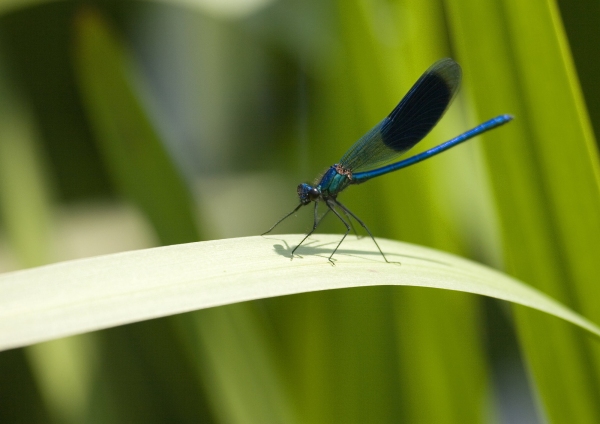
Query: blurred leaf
x=25 y=195
x=25 y=191
x=63 y=369
x=7 y=6
x=237 y=362
x=89 y=294
x=546 y=180
x=224 y=9
x=132 y=148
x=144 y=376
x=19 y=389
x=113 y=92
x=580 y=19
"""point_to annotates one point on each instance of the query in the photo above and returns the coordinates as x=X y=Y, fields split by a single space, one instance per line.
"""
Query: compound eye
x=313 y=194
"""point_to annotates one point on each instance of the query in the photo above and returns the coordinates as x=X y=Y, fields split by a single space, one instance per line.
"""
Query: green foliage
x=205 y=115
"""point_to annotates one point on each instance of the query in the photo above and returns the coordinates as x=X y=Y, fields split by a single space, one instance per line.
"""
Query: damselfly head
x=308 y=193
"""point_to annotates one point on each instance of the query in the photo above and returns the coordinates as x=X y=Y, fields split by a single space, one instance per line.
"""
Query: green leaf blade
x=90 y=294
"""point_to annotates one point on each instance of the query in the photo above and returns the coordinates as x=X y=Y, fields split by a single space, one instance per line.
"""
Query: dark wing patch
x=416 y=114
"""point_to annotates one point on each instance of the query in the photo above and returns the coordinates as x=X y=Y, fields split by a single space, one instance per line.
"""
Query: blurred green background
x=131 y=124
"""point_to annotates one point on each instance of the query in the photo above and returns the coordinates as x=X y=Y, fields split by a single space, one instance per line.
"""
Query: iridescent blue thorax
x=334 y=181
